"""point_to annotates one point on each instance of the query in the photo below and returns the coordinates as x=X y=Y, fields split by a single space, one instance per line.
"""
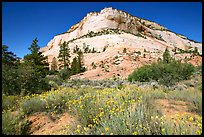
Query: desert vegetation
x=167 y=71
x=99 y=33
x=193 y=51
x=107 y=32
x=31 y=74
x=164 y=98
x=123 y=109
x=122 y=86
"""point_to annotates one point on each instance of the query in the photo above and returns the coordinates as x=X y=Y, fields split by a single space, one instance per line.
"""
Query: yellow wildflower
x=101 y=114
x=135 y=133
x=106 y=129
x=90 y=125
x=86 y=129
x=190 y=119
x=77 y=131
x=100 y=108
x=78 y=126
x=198 y=132
x=163 y=129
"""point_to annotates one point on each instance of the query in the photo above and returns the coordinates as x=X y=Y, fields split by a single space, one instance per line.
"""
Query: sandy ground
x=43 y=124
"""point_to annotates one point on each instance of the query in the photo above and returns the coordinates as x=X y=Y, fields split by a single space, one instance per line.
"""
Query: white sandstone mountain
x=114 y=30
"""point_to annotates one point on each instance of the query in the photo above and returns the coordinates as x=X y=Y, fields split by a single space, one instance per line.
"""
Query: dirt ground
x=43 y=124
x=172 y=107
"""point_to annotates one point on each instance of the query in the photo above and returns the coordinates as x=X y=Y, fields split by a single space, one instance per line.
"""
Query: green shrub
x=25 y=127
x=104 y=48
x=53 y=72
x=9 y=102
x=124 y=50
x=138 y=52
x=32 y=105
x=53 y=80
x=93 y=65
x=65 y=74
x=14 y=125
x=8 y=123
x=145 y=50
x=165 y=73
x=56 y=102
x=141 y=74
x=10 y=80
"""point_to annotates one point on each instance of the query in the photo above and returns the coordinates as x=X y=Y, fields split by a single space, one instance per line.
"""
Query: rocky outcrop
x=129 y=31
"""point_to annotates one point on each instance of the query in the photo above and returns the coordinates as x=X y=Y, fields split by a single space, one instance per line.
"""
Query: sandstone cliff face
x=134 y=33
x=107 y=18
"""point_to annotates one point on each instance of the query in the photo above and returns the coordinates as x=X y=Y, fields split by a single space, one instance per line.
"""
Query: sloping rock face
x=115 y=29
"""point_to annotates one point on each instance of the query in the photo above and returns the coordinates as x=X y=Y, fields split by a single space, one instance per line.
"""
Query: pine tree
x=54 y=64
x=195 y=52
x=93 y=50
x=76 y=49
x=10 y=76
x=77 y=64
x=74 y=68
x=64 y=55
x=124 y=50
x=37 y=67
x=166 y=56
x=8 y=57
x=36 y=58
x=80 y=62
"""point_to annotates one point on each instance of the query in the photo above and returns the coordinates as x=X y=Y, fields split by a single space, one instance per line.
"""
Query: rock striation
x=116 y=29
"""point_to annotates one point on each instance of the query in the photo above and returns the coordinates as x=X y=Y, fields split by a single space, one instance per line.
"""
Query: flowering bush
x=111 y=111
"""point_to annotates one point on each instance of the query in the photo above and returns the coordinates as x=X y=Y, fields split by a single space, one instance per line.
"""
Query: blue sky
x=23 y=21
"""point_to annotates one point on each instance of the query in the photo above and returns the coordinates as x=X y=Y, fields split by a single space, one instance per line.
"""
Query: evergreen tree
x=64 y=55
x=195 y=52
x=54 y=64
x=10 y=77
x=80 y=62
x=166 y=56
x=36 y=58
x=124 y=50
x=74 y=66
x=27 y=82
x=77 y=64
x=37 y=67
x=86 y=49
x=9 y=58
x=76 y=49
x=104 y=48
x=93 y=50
x=10 y=80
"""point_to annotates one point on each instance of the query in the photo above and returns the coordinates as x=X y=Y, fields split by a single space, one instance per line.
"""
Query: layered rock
x=129 y=31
